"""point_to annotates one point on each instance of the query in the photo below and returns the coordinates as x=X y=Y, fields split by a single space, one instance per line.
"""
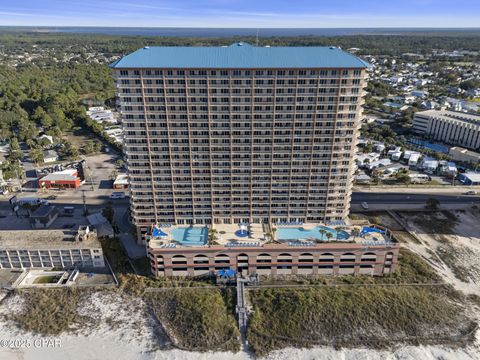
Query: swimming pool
x=190 y=236
x=317 y=233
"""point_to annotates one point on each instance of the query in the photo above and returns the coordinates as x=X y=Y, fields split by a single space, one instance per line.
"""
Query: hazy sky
x=242 y=13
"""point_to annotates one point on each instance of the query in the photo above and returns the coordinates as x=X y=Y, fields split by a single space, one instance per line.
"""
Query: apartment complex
x=450 y=127
x=23 y=249
x=225 y=135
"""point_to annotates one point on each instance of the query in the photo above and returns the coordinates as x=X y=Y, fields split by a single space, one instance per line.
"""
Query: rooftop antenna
x=256 y=41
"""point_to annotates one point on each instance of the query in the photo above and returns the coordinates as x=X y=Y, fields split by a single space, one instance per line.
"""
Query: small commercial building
x=121 y=182
x=429 y=165
x=66 y=179
x=363 y=179
x=470 y=178
x=379 y=164
x=43 y=216
x=101 y=225
x=413 y=159
x=460 y=154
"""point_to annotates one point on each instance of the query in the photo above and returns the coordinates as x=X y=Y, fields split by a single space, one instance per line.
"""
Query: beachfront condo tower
x=239 y=133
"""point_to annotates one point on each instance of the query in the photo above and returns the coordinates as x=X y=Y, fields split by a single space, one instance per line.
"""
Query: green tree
x=68 y=151
x=36 y=154
x=113 y=174
x=14 y=152
x=119 y=163
x=432 y=204
x=109 y=212
x=329 y=235
x=402 y=176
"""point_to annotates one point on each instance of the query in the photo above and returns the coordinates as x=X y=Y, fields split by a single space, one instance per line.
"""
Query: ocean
x=229 y=32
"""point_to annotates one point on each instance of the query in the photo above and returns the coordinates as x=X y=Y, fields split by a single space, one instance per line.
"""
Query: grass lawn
x=49 y=311
x=361 y=315
x=197 y=320
x=78 y=136
x=353 y=316
x=47 y=279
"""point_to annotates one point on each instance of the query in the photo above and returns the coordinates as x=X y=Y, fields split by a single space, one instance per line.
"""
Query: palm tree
x=268 y=235
x=337 y=230
x=322 y=232
x=355 y=232
x=212 y=236
x=273 y=230
x=329 y=235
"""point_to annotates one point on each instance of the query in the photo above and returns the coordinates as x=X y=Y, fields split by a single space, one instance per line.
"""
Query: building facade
x=277 y=259
x=460 y=154
x=221 y=135
x=66 y=179
x=451 y=127
x=23 y=249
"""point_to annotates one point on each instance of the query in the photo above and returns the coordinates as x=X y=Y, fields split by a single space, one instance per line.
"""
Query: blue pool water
x=431 y=146
x=297 y=233
x=190 y=236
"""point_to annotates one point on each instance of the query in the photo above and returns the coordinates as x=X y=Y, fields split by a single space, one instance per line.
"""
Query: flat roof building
x=43 y=216
x=460 y=154
x=50 y=248
x=470 y=178
x=61 y=179
x=224 y=135
x=450 y=127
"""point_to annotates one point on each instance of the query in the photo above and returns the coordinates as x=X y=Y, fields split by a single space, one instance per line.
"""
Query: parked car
x=364 y=205
x=117 y=195
x=470 y=192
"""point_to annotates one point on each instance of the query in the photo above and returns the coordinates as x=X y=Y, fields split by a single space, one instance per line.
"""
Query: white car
x=117 y=195
x=364 y=205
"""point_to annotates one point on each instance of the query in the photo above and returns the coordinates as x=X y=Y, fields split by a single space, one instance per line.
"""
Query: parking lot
x=10 y=221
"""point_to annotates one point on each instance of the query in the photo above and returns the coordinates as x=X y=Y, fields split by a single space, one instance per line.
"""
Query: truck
x=31 y=201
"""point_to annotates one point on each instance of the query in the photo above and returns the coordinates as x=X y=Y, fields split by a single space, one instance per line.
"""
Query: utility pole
x=84 y=198
x=18 y=180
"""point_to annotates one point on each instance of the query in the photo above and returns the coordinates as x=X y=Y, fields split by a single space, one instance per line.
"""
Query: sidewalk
x=129 y=243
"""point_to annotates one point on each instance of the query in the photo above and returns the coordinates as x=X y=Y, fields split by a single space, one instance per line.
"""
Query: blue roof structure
x=239 y=56
x=367 y=230
x=158 y=233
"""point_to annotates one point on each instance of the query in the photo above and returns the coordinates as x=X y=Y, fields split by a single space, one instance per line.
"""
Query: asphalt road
x=412 y=198
x=378 y=198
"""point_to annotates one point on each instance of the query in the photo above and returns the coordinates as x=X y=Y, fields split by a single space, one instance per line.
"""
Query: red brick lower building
x=66 y=179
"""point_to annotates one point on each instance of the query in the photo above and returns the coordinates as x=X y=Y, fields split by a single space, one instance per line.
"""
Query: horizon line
x=216 y=27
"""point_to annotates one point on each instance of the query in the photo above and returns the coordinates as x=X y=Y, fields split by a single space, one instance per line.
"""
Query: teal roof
x=239 y=56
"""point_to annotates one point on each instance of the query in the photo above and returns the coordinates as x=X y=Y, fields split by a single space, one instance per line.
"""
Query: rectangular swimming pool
x=318 y=233
x=190 y=236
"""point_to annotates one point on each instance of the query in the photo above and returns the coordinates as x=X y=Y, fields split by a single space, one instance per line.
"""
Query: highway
x=390 y=198
x=405 y=198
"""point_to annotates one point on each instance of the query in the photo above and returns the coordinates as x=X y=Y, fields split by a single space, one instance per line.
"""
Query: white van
x=117 y=195
x=31 y=201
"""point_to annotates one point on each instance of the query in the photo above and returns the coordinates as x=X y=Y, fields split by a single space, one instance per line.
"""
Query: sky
x=242 y=13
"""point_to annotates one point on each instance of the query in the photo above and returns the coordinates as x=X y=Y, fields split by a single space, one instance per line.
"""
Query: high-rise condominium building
x=450 y=127
x=232 y=134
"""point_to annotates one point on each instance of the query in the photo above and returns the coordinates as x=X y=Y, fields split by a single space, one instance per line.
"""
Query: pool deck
x=226 y=234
